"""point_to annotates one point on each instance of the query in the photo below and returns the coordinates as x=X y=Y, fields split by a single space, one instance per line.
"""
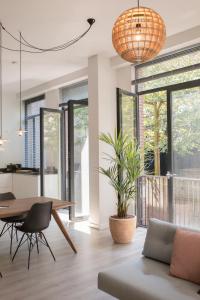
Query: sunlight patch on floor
x=82 y=226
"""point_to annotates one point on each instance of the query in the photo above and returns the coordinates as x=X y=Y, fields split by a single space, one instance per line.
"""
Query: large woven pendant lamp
x=138 y=34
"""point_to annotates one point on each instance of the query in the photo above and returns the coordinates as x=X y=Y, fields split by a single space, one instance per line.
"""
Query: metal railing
x=153 y=200
x=186 y=201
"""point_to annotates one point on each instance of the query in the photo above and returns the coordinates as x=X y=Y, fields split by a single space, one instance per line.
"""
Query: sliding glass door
x=51 y=161
x=185 y=174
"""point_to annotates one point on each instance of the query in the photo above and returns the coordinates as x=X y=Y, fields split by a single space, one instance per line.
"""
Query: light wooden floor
x=73 y=276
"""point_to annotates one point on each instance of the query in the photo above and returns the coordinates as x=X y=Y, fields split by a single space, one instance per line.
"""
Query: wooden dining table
x=10 y=208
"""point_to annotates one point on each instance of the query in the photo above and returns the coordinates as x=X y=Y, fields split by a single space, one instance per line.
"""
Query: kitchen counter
x=21 y=184
x=20 y=171
x=27 y=173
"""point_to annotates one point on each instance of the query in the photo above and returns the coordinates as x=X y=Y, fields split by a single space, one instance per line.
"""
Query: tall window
x=32 y=126
x=153 y=81
x=168 y=131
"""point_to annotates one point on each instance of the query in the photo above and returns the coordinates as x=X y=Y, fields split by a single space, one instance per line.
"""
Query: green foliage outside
x=80 y=124
x=153 y=111
x=51 y=139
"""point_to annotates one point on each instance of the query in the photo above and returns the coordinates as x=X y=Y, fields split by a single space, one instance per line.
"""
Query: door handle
x=170 y=175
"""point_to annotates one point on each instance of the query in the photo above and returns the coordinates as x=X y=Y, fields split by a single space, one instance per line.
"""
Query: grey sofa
x=147 y=277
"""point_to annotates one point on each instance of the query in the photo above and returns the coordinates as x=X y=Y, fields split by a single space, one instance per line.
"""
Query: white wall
x=14 y=148
x=102 y=118
x=52 y=99
x=124 y=77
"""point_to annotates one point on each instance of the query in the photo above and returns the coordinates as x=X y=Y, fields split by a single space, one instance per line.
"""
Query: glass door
x=185 y=143
x=153 y=139
x=77 y=157
x=126 y=119
x=126 y=112
x=51 y=160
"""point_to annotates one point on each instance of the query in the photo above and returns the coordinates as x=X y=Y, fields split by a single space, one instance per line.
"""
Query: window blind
x=32 y=127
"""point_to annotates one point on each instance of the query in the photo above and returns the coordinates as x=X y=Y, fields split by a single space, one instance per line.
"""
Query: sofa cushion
x=145 y=279
x=185 y=261
x=159 y=240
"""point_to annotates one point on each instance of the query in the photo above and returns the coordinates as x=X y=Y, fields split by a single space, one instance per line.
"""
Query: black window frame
x=169 y=89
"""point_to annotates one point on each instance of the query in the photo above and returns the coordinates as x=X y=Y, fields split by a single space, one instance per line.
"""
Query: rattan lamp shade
x=139 y=34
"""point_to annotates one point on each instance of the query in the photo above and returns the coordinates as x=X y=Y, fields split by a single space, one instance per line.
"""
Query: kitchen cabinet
x=25 y=186
x=6 y=182
x=21 y=185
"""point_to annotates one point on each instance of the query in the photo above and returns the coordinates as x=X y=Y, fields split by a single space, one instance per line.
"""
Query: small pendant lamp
x=21 y=131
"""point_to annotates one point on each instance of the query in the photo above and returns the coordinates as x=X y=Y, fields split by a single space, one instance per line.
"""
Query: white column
x=102 y=118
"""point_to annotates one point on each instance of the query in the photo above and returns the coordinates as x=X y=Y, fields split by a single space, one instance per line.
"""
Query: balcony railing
x=186 y=204
x=153 y=200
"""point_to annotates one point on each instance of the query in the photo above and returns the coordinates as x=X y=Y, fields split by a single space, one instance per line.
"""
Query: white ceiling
x=51 y=22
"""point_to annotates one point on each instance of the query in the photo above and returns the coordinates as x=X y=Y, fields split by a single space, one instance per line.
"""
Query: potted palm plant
x=124 y=167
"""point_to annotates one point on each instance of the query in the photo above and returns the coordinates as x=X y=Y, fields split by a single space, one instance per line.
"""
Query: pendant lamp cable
x=30 y=48
x=20 y=78
x=1 y=86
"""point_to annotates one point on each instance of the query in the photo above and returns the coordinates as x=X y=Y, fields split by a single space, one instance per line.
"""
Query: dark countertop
x=23 y=171
x=27 y=173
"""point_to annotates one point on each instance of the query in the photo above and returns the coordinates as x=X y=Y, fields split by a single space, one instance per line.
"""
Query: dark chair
x=10 y=222
x=36 y=221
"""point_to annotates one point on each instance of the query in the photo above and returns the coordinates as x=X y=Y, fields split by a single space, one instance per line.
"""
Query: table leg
x=62 y=228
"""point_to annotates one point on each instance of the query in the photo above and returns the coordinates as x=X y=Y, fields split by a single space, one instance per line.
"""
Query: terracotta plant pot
x=122 y=230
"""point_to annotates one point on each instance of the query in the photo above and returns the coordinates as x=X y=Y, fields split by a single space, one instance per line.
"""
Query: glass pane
x=169 y=65
x=32 y=136
x=153 y=192
x=128 y=122
x=75 y=92
x=34 y=107
x=81 y=161
x=186 y=156
x=169 y=80
x=37 y=142
x=128 y=117
x=29 y=144
x=153 y=131
x=52 y=158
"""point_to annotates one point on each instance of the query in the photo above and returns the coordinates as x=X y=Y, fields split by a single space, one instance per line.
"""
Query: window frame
x=163 y=58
